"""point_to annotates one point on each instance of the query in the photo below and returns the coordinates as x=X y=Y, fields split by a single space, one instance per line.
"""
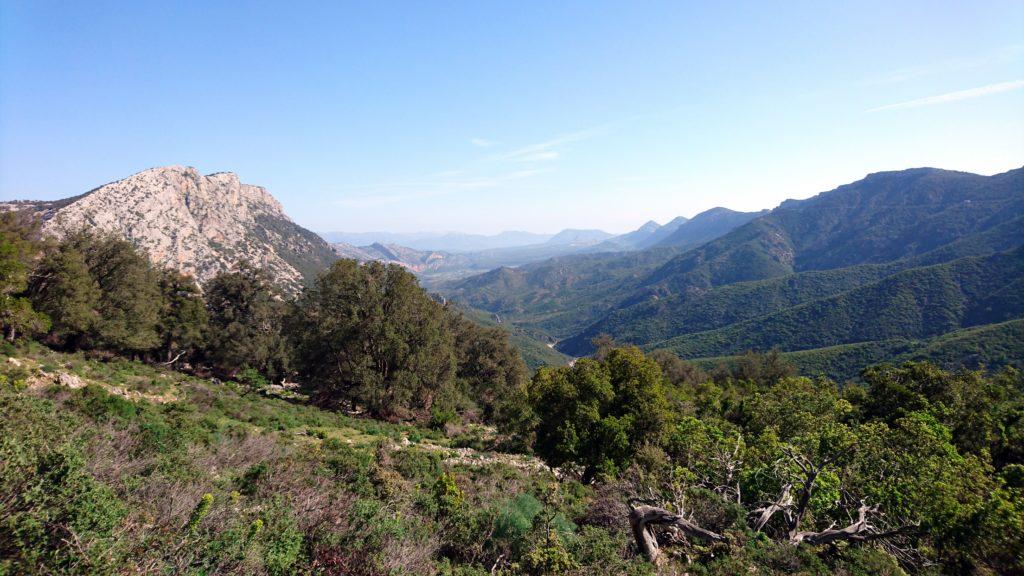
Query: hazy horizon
x=485 y=118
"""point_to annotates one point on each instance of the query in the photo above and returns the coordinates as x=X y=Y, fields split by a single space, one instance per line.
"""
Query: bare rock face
x=200 y=225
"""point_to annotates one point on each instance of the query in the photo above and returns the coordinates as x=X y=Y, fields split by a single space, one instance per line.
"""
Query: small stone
x=68 y=380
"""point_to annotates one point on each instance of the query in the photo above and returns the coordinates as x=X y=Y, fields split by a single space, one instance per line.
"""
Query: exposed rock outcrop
x=201 y=225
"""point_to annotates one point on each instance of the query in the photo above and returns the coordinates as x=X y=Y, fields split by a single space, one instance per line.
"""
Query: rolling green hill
x=916 y=303
x=991 y=346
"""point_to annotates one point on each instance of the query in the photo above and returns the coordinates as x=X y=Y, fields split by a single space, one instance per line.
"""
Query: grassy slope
x=122 y=465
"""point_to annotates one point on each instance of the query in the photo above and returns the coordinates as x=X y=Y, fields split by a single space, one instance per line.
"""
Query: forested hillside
x=801 y=276
x=983 y=347
x=916 y=303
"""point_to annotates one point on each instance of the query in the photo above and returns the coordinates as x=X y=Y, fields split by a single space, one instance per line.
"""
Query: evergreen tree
x=598 y=414
x=130 y=297
x=19 y=248
x=369 y=334
x=183 y=317
x=245 y=323
x=489 y=368
x=63 y=289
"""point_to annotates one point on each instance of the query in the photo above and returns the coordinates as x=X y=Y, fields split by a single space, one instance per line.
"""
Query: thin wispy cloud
x=492 y=172
x=1006 y=54
x=957 y=96
x=542 y=151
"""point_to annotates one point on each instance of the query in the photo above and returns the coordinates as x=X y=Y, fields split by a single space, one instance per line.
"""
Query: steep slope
x=630 y=240
x=914 y=217
x=884 y=217
x=198 y=224
x=662 y=233
x=534 y=350
x=662 y=317
x=577 y=287
x=559 y=296
x=802 y=251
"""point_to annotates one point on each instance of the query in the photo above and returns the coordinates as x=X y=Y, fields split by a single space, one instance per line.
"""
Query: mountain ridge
x=858 y=234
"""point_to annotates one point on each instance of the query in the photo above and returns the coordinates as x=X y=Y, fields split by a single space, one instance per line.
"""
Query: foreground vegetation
x=113 y=466
x=365 y=428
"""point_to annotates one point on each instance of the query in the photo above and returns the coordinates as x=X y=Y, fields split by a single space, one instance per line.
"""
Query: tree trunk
x=859 y=531
x=642 y=520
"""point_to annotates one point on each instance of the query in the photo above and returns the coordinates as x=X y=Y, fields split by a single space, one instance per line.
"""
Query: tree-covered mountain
x=796 y=277
x=990 y=347
x=560 y=295
x=916 y=303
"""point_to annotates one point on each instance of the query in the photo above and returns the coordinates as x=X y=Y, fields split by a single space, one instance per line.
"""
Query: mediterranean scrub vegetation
x=148 y=425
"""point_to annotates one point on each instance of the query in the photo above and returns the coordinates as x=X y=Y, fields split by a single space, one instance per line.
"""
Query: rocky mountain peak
x=201 y=225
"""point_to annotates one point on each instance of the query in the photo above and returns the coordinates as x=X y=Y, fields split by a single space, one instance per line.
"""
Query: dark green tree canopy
x=246 y=315
x=598 y=414
x=20 y=248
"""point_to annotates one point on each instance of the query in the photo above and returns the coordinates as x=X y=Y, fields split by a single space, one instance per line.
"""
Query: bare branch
x=859 y=531
x=783 y=502
x=175 y=359
x=642 y=520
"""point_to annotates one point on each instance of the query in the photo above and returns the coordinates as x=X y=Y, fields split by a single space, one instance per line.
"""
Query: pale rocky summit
x=201 y=225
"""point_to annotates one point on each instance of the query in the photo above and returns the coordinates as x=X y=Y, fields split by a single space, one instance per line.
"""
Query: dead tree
x=860 y=531
x=793 y=508
x=643 y=519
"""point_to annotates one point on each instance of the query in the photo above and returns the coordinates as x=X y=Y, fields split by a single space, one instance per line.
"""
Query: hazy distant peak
x=579 y=237
x=717 y=210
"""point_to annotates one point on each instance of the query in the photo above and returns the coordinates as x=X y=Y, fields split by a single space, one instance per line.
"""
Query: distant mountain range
x=438 y=265
x=439 y=241
x=920 y=263
x=911 y=254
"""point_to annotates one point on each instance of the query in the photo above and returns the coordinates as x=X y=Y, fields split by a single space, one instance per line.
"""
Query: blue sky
x=487 y=116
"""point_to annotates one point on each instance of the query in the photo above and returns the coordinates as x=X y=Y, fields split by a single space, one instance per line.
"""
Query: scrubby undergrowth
x=218 y=478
